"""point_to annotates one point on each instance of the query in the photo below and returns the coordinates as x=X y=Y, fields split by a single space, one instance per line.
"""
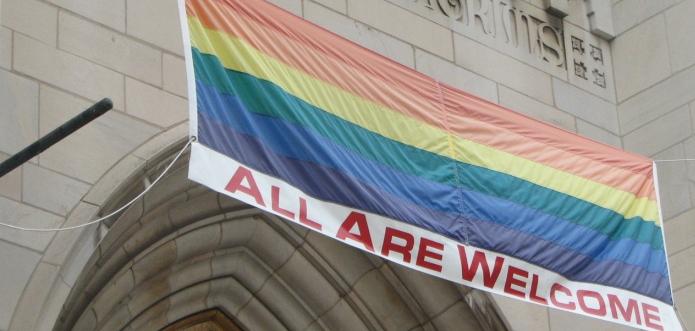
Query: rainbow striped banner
x=308 y=126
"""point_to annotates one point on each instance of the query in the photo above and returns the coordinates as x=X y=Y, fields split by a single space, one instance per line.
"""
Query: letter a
x=363 y=237
x=234 y=185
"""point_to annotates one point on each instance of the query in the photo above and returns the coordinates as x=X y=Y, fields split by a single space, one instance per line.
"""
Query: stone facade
x=634 y=91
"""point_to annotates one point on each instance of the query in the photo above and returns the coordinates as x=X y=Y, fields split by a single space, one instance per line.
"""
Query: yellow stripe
x=236 y=54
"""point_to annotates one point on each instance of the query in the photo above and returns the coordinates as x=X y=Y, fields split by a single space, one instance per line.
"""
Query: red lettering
x=423 y=253
x=581 y=298
x=303 y=218
x=275 y=203
x=534 y=291
x=234 y=185
x=627 y=313
x=363 y=236
x=390 y=246
x=479 y=260
x=651 y=316
x=553 y=298
x=511 y=272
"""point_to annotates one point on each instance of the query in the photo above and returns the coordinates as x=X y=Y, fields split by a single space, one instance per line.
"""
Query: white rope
x=674 y=160
x=147 y=189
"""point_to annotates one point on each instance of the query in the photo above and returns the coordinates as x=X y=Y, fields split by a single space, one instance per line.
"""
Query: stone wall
x=58 y=56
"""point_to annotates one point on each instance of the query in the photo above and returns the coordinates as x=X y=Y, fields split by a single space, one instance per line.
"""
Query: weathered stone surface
x=5 y=47
x=237 y=232
x=113 y=179
x=157 y=259
x=661 y=133
x=657 y=100
x=188 y=301
x=372 y=288
x=456 y=76
x=681 y=28
x=89 y=152
x=628 y=13
x=337 y=5
x=594 y=132
x=63 y=242
x=684 y=299
x=108 y=12
x=585 y=106
x=243 y=266
x=109 y=48
x=67 y=71
x=643 y=52
x=255 y=316
x=312 y=286
x=360 y=33
x=679 y=232
x=51 y=191
x=521 y=315
x=349 y=263
x=565 y=321
x=343 y=318
x=419 y=31
x=681 y=264
x=34 y=296
x=431 y=293
x=52 y=307
x=456 y=317
x=279 y=298
x=19 y=110
x=228 y=295
x=270 y=246
x=535 y=109
x=673 y=186
x=154 y=105
x=174 y=75
x=155 y=21
x=11 y=183
x=197 y=242
x=23 y=262
x=36 y=19
x=293 y=6
x=505 y=70
x=19 y=214
x=111 y=296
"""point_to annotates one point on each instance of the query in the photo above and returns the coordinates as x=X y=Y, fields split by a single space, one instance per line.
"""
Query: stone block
x=455 y=76
x=348 y=262
x=34 y=297
x=643 y=53
x=310 y=283
x=255 y=316
x=112 y=294
x=174 y=75
x=457 y=317
x=657 y=100
x=228 y=295
x=680 y=232
x=11 y=183
x=673 y=184
x=374 y=290
x=148 y=293
x=51 y=191
x=109 y=48
x=156 y=260
x=502 y=69
x=585 y=106
x=681 y=264
x=360 y=33
x=343 y=318
x=685 y=299
x=390 y=19
x=87 y=321
x=566 y=321
x=5 y=48
x=680 y=29
x=108 y=12
x=33 y=18
x=14 y=279
x=279 y=298
x=111 y=181
x=155 y=21
x=188 y=301
x=20 y=214
x=62 y=244
x=594 y=132
x=68 y=71
x=535 y=109
x=243 y=266
x=154 y=105
x=91 y=151
x=270 y=246
x=154 y=318
x=237 y=232
x=660 y=133
x=433 y=294
x=117 y=319
x=52 y=307
x=629 y=13
x=292 y=6
x=19 y=111
x=522 y=315
x=197 y=242
x=187 y=274
x=337 y=5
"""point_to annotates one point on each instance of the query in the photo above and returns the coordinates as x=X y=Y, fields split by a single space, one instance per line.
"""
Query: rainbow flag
x=308 y=126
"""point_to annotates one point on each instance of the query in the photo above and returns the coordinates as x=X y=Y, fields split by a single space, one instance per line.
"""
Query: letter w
x=468 y=271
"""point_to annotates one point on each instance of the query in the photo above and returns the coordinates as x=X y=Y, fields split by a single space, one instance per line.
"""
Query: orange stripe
x=364 y=73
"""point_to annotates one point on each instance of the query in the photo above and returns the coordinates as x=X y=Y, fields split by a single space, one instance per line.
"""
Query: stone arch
x=184 y=249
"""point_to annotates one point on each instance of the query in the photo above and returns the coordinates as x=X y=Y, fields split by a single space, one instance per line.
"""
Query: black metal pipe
x=56 y=135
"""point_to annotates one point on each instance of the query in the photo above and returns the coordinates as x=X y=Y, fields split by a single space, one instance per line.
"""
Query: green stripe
x=257 y=95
